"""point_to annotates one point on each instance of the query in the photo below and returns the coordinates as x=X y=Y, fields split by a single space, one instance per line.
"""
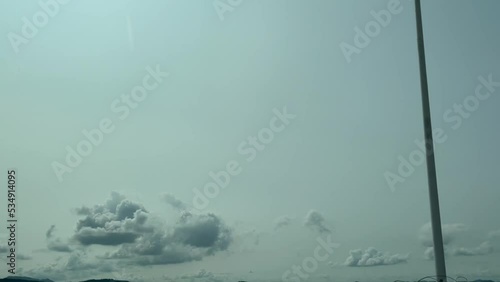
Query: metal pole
x=431 y=165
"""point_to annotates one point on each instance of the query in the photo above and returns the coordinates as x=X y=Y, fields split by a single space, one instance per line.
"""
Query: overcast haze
x=328 y=130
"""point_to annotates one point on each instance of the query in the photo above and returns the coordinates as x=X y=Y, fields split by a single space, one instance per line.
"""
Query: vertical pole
x=431 y=165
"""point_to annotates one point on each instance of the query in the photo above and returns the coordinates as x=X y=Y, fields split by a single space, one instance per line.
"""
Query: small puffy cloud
x=449 y=232
x=483 y=249
x=49 y=232
x=315 y=221
x=174 y=202
x=429 y=253
x=202 y=231
x=373 y=257
x=77 y=266
x=282 y=222
x=201 y=276
x=24 y=257
x=55 y=244
x=494 y=234
x=246 y=240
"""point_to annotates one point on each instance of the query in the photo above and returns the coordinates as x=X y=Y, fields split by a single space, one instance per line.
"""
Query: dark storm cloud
x=315 y=221
x=373 y=257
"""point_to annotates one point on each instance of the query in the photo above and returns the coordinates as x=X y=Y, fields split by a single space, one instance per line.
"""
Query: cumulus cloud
x=5 y=249
x=24 y=257
x=483 y=249
x=449 y=231
x=429 y=253
x=56 y=244
x=202 y=275
x=281 y=222
x=117 y=222
x=373 y=257
x=202 y=231
x=145 y=240
x=174 y=202
x=133 y=236
x=77 y=266
x=247 y=239
x=315 y=221
x=494 y=234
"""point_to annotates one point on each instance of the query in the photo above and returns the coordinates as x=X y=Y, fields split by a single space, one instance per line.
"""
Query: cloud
x=449 y=232
x=24 y=257
x=202 y=275
x=5 y=249
x=315 y=221
x=55 y=244
x=190 y=239
x=246 y=240
x=429 y=253
x=202 y=231
x=48 y=234
x=118 y=221
x=282 y=222
x=132 y=236
x=373 y=257
x=494 y=234
x=77 y=266
x=174 y=202
x=483 y=249
x=144 y=239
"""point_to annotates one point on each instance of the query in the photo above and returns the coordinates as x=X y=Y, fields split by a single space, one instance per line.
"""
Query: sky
x=247 y=140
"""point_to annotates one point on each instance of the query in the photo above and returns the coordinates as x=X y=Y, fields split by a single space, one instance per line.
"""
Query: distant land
x=29 y=279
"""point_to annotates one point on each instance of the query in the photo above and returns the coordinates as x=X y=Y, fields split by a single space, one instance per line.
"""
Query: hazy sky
x=261 y=90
